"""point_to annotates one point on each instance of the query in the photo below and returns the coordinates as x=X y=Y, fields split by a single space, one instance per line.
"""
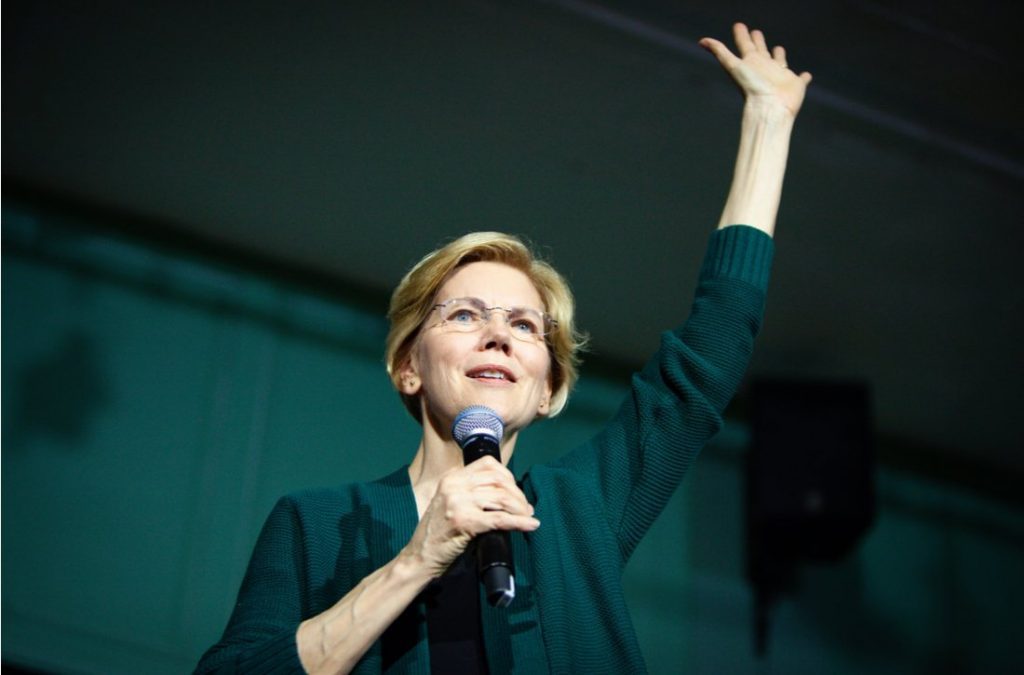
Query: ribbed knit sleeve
x=315 y=547
x=676 y=402
x=260 y=636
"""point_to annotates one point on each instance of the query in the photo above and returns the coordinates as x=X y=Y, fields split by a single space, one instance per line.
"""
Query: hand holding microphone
x=478 y=431
x=479 y=498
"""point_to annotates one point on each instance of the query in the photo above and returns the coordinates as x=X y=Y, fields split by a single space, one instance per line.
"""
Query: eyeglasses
x=471 y=314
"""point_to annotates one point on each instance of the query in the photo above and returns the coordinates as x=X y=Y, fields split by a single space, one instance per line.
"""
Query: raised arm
x=773 y=95
x=676 y=403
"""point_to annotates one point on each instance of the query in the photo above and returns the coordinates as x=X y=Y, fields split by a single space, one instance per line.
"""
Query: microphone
x=478 y=431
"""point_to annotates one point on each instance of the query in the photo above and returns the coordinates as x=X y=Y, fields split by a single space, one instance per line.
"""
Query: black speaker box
x=810 y=471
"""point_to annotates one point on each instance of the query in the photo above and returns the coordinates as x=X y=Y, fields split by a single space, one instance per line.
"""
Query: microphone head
x=477 y=420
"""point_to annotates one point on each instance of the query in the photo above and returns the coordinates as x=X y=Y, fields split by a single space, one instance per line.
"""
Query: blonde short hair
x=414 y=299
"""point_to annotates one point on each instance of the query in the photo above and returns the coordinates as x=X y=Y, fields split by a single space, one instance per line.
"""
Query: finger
x=741 y=36
x=759 y=42
x=496 y=499
x=485 y=462
x=467 y=520
x=494 y=474
x=720 y=52
x=806 y=77
x=481 y=470
x=488 y=465
x=486 y=482
x=499 y=520
x=779 y=54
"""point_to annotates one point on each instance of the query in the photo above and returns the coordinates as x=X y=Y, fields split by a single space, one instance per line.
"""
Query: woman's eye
x=463 y=316
x=524 y=326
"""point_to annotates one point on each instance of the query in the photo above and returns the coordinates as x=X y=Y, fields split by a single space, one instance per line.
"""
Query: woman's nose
x=497 y=334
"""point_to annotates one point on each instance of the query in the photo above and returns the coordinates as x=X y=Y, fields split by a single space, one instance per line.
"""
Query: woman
x=372 y=576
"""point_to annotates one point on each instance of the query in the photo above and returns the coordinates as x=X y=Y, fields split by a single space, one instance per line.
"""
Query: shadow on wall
x=59 y=394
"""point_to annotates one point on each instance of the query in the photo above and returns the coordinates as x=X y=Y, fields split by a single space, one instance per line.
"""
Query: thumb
x=719 y=51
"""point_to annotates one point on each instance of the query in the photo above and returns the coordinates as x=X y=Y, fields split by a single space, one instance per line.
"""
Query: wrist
x=767 y=112
x=408 y=567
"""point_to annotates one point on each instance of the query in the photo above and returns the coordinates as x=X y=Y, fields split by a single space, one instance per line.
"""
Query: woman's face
x=451 y=370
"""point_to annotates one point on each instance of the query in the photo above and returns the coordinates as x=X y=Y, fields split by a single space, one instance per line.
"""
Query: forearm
x=335 y=640
x=760 y=166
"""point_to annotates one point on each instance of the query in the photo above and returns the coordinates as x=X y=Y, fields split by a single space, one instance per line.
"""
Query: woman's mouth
x=491 y=373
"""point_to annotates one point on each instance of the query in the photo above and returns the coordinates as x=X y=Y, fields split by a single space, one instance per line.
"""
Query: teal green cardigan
x=594 y=503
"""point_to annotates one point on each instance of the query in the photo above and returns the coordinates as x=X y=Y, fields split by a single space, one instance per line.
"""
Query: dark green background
x=156 y=401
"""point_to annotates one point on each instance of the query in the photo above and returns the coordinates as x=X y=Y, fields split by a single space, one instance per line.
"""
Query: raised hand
x=762 y=75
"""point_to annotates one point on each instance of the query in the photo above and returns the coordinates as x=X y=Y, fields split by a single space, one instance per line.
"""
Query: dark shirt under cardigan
x=594 y=505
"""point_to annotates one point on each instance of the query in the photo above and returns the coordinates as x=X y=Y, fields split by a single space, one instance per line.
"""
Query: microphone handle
x=494 y=565
x=494 y=548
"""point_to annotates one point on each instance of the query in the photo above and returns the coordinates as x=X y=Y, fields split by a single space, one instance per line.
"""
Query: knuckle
x=502 y=520
x=458 y=521
x=488 y=462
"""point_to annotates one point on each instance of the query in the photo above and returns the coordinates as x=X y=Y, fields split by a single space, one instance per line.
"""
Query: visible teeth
x=493 y=374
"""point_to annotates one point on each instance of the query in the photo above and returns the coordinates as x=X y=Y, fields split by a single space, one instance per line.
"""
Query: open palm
x=760 y=74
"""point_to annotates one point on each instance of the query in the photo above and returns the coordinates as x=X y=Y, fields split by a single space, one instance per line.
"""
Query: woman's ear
x=408 y=379
x=545 y=400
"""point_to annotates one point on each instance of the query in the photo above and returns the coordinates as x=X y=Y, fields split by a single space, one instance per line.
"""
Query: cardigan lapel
x=512 y=634
x=393 y=511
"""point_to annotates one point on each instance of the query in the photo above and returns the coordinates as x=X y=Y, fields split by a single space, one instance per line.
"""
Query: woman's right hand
x=468 y=501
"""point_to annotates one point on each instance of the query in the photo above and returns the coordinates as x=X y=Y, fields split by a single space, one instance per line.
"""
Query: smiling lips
x=492 y=373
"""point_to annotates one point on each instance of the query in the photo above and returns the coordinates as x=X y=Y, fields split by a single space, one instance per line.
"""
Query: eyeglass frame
x=548 y=324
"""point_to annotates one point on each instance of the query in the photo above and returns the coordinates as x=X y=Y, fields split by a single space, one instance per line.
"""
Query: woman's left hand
x=762 y=75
